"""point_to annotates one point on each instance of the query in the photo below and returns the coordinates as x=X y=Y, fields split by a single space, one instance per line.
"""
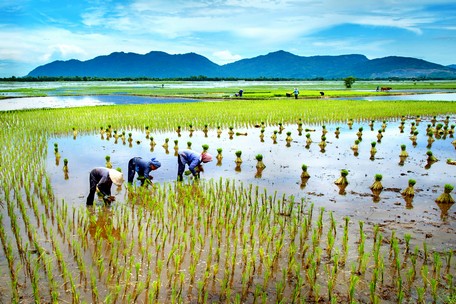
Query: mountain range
x=280 y=65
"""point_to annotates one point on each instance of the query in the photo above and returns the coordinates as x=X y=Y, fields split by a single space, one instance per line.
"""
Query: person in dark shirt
x=102 y=179
x=194 y=161
x=143 y=167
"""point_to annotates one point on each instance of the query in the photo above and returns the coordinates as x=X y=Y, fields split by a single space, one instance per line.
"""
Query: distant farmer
x=296 y=93
x=101 y=179
x=194 y=160
x=143 y=167
x=240 y=93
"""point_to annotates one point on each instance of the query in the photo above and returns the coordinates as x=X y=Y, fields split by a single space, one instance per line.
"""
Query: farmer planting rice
x=101 y=179
x=143 y=168
x=194 y=160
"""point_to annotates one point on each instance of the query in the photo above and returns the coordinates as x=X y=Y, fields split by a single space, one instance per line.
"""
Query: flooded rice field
x=284 y=159
x=240 y=235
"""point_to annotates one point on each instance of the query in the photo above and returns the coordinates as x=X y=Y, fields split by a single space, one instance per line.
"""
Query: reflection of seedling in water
x=445 y=197
x=337 y=132
x=75 y=132
x=401 y=126
x=108 y=161
x=409 y=191
x=342 y=180
x=219 y=131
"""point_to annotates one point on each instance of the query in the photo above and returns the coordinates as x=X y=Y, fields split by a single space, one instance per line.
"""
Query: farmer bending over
x=194 y=161
x=143 y=168
x=102 y=178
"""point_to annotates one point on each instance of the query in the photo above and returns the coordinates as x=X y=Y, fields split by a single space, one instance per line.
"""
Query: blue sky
x=36 y=32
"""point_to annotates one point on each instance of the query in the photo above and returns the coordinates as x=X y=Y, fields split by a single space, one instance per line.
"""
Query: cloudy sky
x=35 y=32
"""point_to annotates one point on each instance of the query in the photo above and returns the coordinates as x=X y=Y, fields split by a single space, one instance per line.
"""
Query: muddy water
x=421 y=216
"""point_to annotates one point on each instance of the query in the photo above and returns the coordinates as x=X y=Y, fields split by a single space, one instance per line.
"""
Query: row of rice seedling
x=209 y=241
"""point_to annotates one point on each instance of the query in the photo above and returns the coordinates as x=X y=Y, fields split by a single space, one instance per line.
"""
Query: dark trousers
x=93 y=180
x=180 y=169
x=131 y=170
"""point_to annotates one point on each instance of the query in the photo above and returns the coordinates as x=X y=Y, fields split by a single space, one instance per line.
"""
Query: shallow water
x=406 y=96
x=81 y=101
x=283 y=168
x=97 y=100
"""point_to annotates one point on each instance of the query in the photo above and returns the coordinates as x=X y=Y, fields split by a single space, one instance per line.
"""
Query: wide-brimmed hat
x=116 y=177
x=206 y=157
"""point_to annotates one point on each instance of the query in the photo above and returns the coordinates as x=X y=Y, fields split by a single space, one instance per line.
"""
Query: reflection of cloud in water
x=49 y=102
x=82 y=101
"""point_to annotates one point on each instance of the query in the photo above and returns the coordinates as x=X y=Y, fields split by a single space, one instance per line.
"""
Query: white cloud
x=225 y=56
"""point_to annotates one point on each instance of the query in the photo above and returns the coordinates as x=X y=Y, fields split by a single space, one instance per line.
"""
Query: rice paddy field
x=240 y=234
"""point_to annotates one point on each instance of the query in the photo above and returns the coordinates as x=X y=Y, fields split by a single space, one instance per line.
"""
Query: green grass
x=256 y=90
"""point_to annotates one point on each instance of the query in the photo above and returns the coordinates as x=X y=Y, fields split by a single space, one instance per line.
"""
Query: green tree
x=349 y=81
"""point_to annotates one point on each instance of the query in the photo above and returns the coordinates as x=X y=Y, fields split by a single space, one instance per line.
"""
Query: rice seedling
x=373 y=150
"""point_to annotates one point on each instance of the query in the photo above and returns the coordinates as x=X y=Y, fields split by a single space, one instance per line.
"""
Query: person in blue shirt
x=143 y=167
x=194 y=160
x=102 y=179
x=296 y=93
